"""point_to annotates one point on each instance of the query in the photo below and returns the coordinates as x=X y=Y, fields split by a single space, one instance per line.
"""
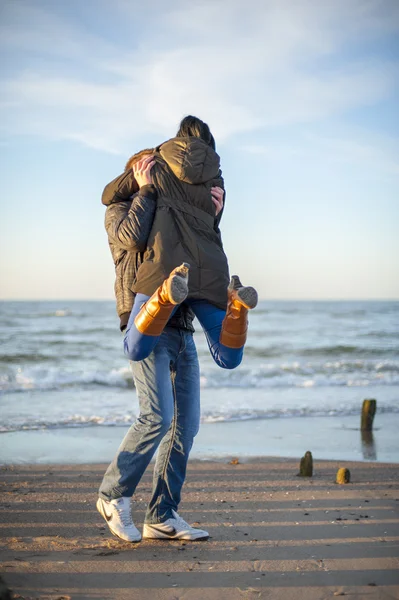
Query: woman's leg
x=211 y=319
x=150 y=315
x=226 y=331
x=138 y=346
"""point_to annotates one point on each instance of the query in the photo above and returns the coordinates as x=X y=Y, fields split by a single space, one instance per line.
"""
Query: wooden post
x=343 y=476
x=369 y=409
x=306 y=465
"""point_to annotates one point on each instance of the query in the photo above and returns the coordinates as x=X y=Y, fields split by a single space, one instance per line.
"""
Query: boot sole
x=177 y=289
x=248 y=296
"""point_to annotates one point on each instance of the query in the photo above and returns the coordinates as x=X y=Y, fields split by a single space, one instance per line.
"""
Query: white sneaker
x=173 y=529
x=118 y=514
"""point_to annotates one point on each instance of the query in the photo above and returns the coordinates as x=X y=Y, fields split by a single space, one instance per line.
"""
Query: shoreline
x=328 y=438
x=273 y=534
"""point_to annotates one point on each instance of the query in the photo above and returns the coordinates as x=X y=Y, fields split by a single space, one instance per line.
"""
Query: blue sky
x=301 y=96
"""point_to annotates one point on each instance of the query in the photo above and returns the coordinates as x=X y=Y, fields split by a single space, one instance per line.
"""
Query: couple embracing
x=162 y=220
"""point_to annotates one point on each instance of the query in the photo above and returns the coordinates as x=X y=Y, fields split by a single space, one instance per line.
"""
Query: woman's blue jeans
x=168 y=389
x=138 y=345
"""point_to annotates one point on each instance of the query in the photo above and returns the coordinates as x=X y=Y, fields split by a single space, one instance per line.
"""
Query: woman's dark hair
x=193 y=127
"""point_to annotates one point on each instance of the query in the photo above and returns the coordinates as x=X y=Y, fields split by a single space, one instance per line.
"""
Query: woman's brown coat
x=185 y=228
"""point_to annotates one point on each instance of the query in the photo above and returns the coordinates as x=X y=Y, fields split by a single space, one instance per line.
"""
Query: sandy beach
x=273 y=535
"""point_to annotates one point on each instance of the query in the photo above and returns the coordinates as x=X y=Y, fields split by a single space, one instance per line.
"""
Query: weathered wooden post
x=306 y=465
x=343 y=476
x=369 y=409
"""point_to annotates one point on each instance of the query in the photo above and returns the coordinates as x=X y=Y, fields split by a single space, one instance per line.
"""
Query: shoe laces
x=181 y=521
x=125 y=514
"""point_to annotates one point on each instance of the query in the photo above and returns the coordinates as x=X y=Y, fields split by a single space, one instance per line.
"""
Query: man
x=167 y=382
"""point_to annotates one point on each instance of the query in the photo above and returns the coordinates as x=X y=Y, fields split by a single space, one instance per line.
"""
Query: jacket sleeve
x=128 y=224
x=120 y=189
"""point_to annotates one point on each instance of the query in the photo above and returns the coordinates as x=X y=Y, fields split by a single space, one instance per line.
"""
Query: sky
x=302 y=97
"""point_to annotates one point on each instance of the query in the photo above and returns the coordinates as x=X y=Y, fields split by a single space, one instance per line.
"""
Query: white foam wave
x=49 y=379
x=265 y=375
x=127 y=419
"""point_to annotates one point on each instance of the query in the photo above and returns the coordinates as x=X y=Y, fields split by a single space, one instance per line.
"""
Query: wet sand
x=332 y=438
x=273 y=535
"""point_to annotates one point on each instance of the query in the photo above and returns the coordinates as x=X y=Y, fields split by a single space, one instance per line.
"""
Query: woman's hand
x=141 y=170
x=217 y=198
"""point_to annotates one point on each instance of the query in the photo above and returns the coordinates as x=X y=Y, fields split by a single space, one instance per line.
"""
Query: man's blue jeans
x=167 y=384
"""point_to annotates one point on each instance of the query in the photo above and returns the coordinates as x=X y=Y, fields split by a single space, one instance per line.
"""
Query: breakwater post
x=369 y=409
x=306 y=465
x=343 y=476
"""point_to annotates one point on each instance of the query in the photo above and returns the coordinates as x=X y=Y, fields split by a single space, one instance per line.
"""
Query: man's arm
x=128 y=224
x=120 y=189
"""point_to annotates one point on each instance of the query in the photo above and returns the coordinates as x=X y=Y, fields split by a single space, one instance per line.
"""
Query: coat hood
x=190 y=159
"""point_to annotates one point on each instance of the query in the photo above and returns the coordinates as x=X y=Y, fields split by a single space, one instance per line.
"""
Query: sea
x=307 y=367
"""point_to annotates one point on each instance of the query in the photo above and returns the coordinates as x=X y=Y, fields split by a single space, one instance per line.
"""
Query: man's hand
x=141 y=170
x=217 y=198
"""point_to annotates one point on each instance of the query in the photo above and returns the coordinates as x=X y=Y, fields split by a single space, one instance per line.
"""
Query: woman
x=184 y=259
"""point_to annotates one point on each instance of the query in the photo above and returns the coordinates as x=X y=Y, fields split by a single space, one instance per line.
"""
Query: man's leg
x=162 y=520
x=174 y=450
x=155 y=394
x=154 y=390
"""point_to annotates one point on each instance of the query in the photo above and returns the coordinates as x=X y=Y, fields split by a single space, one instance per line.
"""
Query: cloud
x=375 y=154
x=295 y=64
x=30 y=27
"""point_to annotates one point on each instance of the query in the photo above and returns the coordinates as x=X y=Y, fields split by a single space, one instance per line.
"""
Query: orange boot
x=155 y=313
x=235 y=324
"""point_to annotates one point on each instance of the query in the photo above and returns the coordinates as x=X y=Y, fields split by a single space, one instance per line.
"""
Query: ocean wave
x=268 y=352
x=43 y=315
x=54 y=379
x=383 y=335
x=127 y=419
x=33 y=357
x=343 y=349
x=282 y=350
x=79 y=332
x=349 y=314
x=261 y=311
x=350 y=373
x=24 y=358
x=20 y=315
